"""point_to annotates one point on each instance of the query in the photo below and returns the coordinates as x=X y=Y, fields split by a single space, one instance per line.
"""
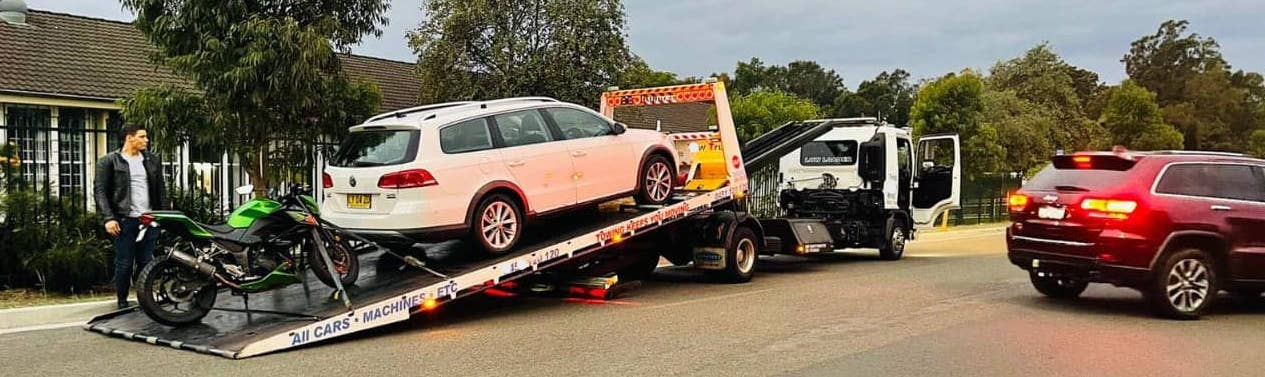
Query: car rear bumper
x=1081 y=260
x=404 y=238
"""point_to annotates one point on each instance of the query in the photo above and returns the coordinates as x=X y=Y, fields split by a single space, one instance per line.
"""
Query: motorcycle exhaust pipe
x=193 y=262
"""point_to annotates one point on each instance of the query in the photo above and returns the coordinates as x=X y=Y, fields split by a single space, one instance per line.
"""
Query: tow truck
x=832 y=184
x=704 y=225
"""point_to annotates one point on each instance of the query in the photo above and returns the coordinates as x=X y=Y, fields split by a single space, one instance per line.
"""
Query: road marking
x=41 y=327
x=705 y=299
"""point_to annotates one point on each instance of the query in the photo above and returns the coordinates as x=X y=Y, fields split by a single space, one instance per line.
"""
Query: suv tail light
x=1109 y=208
x=407 y=179
x=326 y=180
x=1018 y=202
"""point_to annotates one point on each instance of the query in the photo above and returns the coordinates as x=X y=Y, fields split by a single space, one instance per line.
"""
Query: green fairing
x=253 y=210
x=179 y=218
x=311 y=205
x=279 y=277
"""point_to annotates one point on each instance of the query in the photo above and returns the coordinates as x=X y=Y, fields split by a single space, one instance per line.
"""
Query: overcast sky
x=859 y=39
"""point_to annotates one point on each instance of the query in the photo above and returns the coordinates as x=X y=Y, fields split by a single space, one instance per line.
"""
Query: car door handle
x=517 y=163
x=1220 y=208
x=579 y=154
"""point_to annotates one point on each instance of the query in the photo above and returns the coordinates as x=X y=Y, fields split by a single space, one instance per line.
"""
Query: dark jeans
x=128 y=252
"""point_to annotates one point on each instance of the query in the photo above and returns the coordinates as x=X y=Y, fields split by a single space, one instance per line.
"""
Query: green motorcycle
x=265 y=245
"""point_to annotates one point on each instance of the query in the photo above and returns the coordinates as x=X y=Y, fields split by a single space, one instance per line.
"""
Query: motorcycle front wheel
x=173 y=294
x=346 y=264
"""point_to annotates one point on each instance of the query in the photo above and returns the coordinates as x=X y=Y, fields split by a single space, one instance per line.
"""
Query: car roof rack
x=402 y=112
x=1193 y=153
x=459 y=104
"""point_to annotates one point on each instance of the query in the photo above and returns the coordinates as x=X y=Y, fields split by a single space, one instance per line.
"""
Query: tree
x=267 y=80
x=1135 y=121
x=1256 y=143
x=888 y=97
x=568 y=49
x=804 y=79
x=1045 y=80
x=1017 y=120
x=638 y=74
x=1165 y=61
x=761 y=111
x=954 y=103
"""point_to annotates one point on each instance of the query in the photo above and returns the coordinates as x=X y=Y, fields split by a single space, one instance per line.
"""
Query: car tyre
x=497 y=224
x=740 y=257
x=1057 y=287
x=897 y=237
x=1184 y=286
x=655 y=181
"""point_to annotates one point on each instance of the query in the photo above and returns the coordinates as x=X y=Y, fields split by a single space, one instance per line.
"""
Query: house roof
x=674 y=118
x=65 y=55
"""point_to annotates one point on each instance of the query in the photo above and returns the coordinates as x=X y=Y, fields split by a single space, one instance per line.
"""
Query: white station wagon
x=484 y=170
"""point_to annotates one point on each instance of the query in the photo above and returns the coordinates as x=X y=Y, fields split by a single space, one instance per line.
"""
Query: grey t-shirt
x=140 y=184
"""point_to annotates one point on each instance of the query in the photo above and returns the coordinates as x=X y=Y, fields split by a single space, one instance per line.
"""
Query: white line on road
x=41 y=327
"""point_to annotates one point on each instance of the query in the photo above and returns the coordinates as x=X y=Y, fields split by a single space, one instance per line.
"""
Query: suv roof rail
x=1195 y=153
x=850 y=121
x=402 y=112
x=508 y=101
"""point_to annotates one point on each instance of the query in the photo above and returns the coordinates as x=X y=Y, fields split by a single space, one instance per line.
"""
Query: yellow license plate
x=359 y=201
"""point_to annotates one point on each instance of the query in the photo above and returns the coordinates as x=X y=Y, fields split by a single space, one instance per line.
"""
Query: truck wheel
x=1057 y=287
x=740 y=257
x=1185 y=286
x=894 y=246
x=641 y=269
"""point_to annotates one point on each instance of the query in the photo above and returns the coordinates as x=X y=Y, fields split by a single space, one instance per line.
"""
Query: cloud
x=862 y=38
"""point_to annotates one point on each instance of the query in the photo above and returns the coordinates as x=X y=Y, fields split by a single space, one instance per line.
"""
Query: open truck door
x=939 y=178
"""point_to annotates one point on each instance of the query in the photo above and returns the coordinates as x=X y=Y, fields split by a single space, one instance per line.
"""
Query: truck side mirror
x=873 y=160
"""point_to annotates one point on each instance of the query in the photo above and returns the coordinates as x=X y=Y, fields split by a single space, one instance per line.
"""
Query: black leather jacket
x=112 y=186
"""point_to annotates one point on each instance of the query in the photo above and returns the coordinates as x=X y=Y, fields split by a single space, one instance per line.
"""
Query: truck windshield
x=376 y=148
x=828 y=153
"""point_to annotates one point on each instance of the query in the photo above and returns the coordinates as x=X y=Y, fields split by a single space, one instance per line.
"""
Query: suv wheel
x=655 y=181
x=1185 y=286
x=1057 y=286
x=498 y=224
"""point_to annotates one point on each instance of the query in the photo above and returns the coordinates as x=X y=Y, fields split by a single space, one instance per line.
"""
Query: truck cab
x=869 y=183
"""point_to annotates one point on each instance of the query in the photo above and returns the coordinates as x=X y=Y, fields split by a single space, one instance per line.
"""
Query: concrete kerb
x=41 y=317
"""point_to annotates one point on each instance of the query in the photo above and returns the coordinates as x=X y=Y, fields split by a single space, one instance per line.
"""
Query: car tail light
x=326 y=180
x=407 y=179
x=1109 y=208
x=1018 y=202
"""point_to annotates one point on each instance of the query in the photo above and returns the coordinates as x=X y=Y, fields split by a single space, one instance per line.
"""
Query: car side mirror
x=618 y=128
x=245 y=190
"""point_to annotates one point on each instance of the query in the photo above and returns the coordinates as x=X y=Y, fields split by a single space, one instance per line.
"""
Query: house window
x=72 y=127
x=29 y=129
x=114 y=131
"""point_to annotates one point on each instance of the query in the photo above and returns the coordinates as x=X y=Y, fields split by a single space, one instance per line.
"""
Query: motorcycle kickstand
x=339 y=291
x=246 y=306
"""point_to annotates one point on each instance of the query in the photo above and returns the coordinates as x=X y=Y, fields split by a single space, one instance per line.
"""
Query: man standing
x=129 y=182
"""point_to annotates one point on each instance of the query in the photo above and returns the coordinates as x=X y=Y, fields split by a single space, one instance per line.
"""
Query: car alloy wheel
x=658 y=182
x=1188 y=285
x=499 y=225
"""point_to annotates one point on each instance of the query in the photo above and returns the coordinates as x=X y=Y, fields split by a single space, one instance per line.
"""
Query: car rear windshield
x=828 y=153
x=1052 y=178
x=376 y=148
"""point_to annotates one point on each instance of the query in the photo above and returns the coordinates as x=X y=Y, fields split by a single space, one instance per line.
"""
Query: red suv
x=1178 y=226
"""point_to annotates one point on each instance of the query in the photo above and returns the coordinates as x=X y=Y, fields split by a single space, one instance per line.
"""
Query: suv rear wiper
x=361 y=164
x=1070 y=188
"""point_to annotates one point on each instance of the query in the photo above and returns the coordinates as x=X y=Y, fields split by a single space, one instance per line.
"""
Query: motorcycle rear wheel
x=173 y=294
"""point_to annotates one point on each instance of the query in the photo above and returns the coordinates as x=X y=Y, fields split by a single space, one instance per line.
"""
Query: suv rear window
x=376 y=148
x=828 y=153
x=1052 y=178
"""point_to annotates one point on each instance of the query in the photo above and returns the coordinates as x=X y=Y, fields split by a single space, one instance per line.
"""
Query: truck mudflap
x=799 y=236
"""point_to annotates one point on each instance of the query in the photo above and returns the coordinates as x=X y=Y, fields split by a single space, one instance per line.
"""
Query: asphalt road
x=953 y=306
